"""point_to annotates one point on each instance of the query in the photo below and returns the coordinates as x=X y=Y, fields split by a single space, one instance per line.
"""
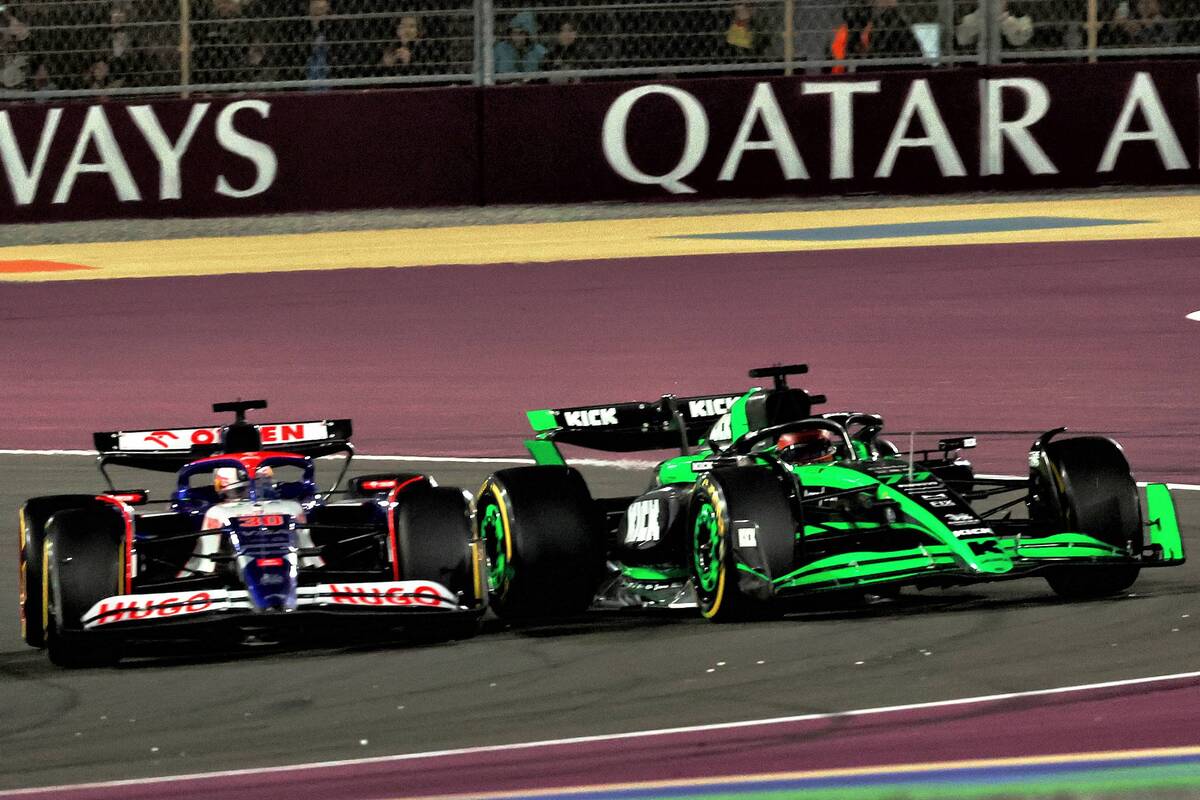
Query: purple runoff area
x=1162 y=715
x=1003 y=340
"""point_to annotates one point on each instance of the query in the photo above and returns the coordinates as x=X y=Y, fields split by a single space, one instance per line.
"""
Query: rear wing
x=168 y=449
x=629 y=427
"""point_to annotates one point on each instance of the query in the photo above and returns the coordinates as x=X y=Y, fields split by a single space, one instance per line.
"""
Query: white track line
x=612 y=737
x=609 y=463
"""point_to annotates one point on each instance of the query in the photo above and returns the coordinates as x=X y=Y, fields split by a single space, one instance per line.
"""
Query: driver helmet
x=813 y=446
x=229 y=483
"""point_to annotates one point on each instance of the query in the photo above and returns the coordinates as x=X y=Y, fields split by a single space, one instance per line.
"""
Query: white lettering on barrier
x=614 y=138
x=920 y=103
x=996 y=129
x=261 y=155
x=1143 y=96
x=25 y=178
x=97 y=130
x=763 y=106
x=169 y=155
x=22 y=179
x=841 y=121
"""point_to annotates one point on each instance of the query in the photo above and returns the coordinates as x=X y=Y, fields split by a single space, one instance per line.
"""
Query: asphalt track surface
x=164 y=713
x=1011 y=340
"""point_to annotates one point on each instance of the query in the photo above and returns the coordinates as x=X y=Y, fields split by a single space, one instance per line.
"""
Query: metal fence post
x=487 y=42
x=789 y=36
x=992 y=22
x=1093 y=30
x=946 y=40
x=185 y=47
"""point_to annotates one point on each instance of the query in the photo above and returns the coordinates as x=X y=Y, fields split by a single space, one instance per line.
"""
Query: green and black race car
x=768 y=501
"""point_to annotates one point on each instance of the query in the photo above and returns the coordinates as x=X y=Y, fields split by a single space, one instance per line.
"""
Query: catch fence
x=62 y=48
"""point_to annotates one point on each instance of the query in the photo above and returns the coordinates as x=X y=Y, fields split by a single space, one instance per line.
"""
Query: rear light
x=133 y=497
x=270 y=562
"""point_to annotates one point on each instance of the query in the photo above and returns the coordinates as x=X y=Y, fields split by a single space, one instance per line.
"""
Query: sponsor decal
x=702 y=466
x=102 y=135
x=185 y=438
x=908 y=487
x=975 y=532
x=709 y=407
x=377 y=485
x=589 y=418
x=959 y=518
x=1035 y=458
x=941 y=504
x=403 y=593
x=642 y=522
x=264 y=521
x=747 y=537
x=126 y=608
x=722 y=429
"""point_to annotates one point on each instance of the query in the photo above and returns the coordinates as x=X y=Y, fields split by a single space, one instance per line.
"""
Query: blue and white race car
x=246 y=544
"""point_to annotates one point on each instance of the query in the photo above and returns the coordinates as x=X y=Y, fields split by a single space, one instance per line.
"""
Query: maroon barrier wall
x=913 y=133
x=231 y=156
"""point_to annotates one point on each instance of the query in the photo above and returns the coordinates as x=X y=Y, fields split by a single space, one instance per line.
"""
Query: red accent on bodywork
x=251 y=461
x=391 y=519
x=127 y=515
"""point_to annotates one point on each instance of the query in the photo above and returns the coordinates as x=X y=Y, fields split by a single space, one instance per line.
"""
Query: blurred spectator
x=744 y=37
x=222 y=41
x=118 y=62
x=1148 y=28
x=318 y=65
x=1015 y=31
x=410 y=52
x=14 y=38
x=878 y=30
x=520 y=52
x=42 y=80
x=567 y=52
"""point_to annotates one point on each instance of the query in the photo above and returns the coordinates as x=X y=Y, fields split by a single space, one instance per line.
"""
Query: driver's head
x=806 y=447
x=229 y=484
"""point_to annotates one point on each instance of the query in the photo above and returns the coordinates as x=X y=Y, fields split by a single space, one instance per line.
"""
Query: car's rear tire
x=82 y=564
x=435 y=541
x=541 y=532
x=1084 y=484
x=724 y=593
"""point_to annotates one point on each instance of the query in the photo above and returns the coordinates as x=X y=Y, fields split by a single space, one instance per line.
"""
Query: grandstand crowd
x=100 y=45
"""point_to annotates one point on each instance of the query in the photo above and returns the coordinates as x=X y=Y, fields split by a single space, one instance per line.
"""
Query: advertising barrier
x=911 y=132
x=312 y=151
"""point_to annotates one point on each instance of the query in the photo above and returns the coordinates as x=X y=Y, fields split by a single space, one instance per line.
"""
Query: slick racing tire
x=755 y=499
x=1085 y=485
x=434 y=541
x=541 y=532
x=33 y=517
x=82 y=564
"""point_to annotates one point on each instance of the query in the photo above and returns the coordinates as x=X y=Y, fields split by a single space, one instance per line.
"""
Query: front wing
x=376 y=598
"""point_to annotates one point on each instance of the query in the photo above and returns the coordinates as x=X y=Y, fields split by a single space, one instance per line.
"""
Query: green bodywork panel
x=541 y=420
x=656 y=574
x=545 y=453
x=1162 y=524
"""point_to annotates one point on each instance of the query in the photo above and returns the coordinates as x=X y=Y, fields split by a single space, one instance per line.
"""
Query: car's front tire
x=81 y=564
x=1084 y=484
